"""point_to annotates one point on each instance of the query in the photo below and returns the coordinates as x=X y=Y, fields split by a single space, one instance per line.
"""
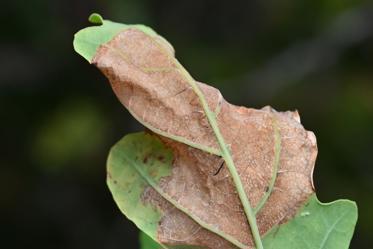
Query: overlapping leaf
x=191 y=200
x=147 y=243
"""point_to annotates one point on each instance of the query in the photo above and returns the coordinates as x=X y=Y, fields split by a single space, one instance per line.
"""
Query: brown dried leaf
x=144 y=76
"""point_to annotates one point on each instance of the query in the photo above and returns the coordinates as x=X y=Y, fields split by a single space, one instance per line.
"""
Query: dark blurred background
x=59 y=116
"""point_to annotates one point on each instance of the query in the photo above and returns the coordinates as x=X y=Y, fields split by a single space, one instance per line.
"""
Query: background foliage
x=59 y=117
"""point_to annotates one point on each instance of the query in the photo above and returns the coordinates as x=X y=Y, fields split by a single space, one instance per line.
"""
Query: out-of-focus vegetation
x=59 y=116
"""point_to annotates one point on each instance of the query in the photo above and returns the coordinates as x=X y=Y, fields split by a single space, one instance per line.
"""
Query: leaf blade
x=123 y=181
x=88 y=40
x=88 y=43
x=151 y=95
x=148 y=243
x=316 y=226
x=137 y=164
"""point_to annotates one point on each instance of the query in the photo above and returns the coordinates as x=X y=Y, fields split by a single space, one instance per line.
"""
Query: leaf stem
x=225 y=153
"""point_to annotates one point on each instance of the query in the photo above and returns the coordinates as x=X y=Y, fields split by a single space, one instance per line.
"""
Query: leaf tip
x=95 y=18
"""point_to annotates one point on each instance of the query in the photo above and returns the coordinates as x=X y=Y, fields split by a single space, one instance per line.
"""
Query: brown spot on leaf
x=146 y=158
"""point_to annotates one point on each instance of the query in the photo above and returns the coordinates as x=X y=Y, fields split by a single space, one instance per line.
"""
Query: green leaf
x=148 y=243
x=130 y=162
x=87 y=41
x=316 y=226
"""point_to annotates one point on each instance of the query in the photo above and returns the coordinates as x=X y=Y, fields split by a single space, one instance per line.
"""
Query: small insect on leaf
x=305 y=213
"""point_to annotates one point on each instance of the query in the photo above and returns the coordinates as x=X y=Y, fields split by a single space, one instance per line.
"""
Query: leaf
x=317 y=225
x=87 y=41
x=137 y=166
x=127 y=183
x=271 y=151
x=148 y=243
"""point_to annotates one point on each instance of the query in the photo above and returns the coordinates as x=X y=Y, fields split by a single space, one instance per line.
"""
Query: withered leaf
x=145 y=78
x=193 y=194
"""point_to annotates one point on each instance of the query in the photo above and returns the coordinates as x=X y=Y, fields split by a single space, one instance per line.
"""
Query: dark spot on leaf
x=145 y=160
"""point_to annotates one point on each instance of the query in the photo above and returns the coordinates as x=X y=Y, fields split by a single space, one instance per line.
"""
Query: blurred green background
x=59 y=116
